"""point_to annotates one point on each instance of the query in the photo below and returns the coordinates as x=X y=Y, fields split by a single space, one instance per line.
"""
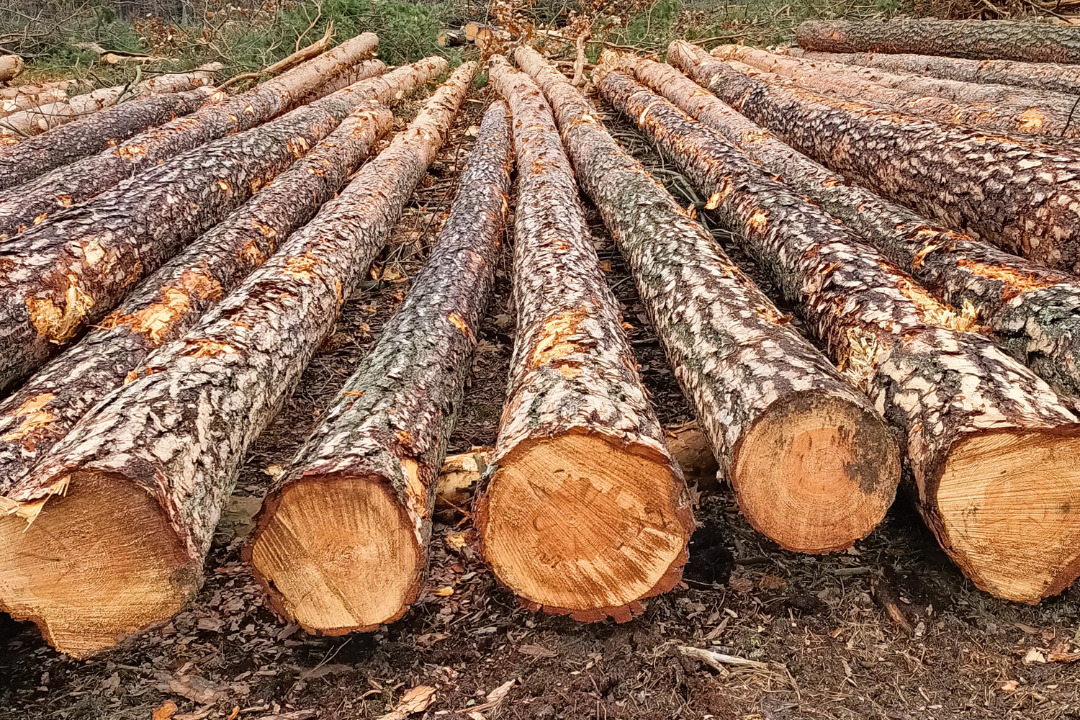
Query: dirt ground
x=817 y=627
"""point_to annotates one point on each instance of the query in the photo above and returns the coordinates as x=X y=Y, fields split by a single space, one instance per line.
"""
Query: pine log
x=21 y=97
x=151 y=467
x=41 y=118
x=1020 y=195
x=763 y=394
x=68 y=272
x=92 y=134
x=341 y=543
x=994 y=107
x=165 y=305
x=586 y=513
x=36 y=200
x=976 y=39
x=993 y=451
x=1052 y=77
x=1033 y=312
x=11 y=66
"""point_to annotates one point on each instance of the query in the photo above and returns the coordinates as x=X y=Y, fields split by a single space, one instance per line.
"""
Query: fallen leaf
x=444 y=591
x=414 y=701
x=494 y=698
x=1034 y=656
x=1009 y=686
x=537 y=651
x=166 y=711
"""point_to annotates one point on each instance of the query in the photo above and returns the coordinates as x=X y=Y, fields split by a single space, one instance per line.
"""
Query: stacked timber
x=1020 y=195
x=33 y=201
x=1033 y=312
x=11 y=66
x=994 y=107
x=813 y=466
x=992 y=449
x=975 y=39
x=1053 y=77
x=165 y=305
x=69 y=271
x=21 y=97
x=151 y=467
x=341 y=542
x=586 y=512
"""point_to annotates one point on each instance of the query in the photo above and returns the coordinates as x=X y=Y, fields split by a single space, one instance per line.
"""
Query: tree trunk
x=11 y=66
x=992 y=449
x=586 y=512
x=34 y=201
x=1020 y=195
x=977 y=39
x=45 y=408
x=68 y=272
x=150 y=468
x=762 y=393
x=1050 y=77
x=41 y=118
x=89 y=135
x=994 y=107
x=1033 y=312
x=341 y=543
x=21 y=97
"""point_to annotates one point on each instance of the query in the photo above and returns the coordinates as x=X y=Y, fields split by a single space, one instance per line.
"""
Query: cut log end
x=98 y=563
x=337 y=554
x=1007 y=504
x=579 y=522
x=820 y=452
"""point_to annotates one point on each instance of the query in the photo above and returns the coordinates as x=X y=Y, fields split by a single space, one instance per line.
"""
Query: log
x=992 y=450
x=11 y=66
x=762 y=393
x=97 y=132
x=975 y=39
x=165 y=305
x=1051 y=77
x=21 y=97
x=1033 y=312
x=150 y=468
x=1020 y=195
x=68 y=272
x=994 y=107
x=586 y=512
x=39 y=119
x=451 y=38
x=341 y=542
x=34 y=201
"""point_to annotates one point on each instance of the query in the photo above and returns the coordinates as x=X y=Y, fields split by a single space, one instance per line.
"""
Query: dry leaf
x=444 y=591
x=166 y=711
x=414 y=701
x=1034 y=656
x=1009 y=686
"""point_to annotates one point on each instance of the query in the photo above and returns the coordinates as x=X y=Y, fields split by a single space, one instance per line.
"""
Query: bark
x=366 y=478
x=988 y=444
x=34 y=201
x=738 y=361
x=1051 y=77
x=41 y=118
x=89 y=135
x=165 y=305
x=976 y=39
x=157 y=459
x=11 y=66
x=1033 y=312
x=1020 y=195
x=580 y=454
x=68 y=272
x=995 y=107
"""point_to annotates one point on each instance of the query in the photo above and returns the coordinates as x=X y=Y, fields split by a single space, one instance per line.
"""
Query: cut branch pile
x=342 y=541
x=150 y=468
x=791 y=434
x=586 y=513
x=992 y=449
x=34 y=201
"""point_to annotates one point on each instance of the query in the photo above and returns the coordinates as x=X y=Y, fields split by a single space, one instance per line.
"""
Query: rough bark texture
x=995 y=107
x=158 y=458
x=977 y=39
x=951 y=393
x=89 y=135
x=1052 y=77
x=386 y=431
x=1020 y=195
x=32 y=202
x=68 y=272
x=1034 y=312
x=573 y=374
x=733 y=352
x=38 y=119
x=45 y=408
